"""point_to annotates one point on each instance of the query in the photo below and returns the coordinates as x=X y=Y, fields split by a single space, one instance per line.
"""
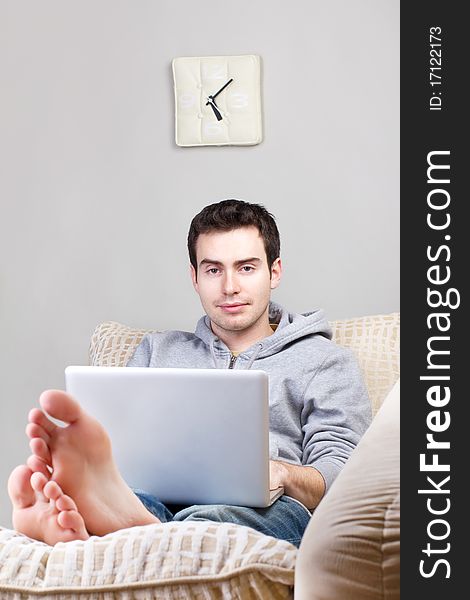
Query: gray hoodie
x=319 y=407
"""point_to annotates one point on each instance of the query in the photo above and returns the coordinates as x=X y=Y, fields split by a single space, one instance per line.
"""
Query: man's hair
x=233 y=214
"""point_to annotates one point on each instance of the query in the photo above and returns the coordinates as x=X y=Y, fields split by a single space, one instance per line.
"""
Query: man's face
x=233 y=280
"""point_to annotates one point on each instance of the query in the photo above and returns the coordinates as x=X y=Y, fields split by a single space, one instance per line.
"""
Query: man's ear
x=276 y=272
x=192 y=272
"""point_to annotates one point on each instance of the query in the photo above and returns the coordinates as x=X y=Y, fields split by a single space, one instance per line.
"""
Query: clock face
x=217 y=100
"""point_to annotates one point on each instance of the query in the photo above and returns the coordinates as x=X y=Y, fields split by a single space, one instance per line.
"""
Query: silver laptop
x=187 y=436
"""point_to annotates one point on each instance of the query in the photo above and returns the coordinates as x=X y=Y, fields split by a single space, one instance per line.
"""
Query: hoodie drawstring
x=259 y=347
x=213 y=353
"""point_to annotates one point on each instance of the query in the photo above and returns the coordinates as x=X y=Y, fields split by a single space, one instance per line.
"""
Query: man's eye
x=247 y=268
x=213 y=271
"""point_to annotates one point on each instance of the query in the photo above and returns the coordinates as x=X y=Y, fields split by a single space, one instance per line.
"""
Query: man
x=319 y=408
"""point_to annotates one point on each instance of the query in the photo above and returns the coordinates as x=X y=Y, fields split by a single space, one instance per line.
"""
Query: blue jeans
x=286 y=519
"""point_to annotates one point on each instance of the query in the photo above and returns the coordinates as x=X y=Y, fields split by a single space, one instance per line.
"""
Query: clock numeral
x=214 y=72
x=187 y=100
x=212 y=128
x=239 y=100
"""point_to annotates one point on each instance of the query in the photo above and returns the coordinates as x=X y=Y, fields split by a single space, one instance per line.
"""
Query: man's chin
x=232 y=324
x=235 y=322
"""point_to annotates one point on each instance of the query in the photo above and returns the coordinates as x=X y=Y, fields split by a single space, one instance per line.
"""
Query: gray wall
x=96 y=197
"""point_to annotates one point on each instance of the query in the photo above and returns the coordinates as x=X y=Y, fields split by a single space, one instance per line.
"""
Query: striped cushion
x=169 y=560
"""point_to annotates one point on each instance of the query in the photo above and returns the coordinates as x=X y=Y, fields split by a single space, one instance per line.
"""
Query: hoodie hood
x=290 y=327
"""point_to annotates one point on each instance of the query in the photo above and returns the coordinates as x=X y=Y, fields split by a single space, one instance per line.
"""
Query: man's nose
x=230 y=283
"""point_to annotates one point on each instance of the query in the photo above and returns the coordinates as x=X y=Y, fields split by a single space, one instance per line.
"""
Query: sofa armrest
x=351 y=547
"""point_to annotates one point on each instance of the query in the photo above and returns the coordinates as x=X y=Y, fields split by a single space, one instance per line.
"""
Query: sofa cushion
x=169 y=560
x=112 y=344
x=351 y=547
x=373 y=339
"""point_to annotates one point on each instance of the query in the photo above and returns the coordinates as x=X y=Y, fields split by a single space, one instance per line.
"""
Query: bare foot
x=41 y=510
x=82 y=464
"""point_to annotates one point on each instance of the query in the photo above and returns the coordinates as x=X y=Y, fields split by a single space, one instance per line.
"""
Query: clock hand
x=214 y=107
x=221 y=89
x=211 y=100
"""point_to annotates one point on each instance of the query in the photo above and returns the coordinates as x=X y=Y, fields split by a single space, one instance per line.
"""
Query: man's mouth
x=232 y=307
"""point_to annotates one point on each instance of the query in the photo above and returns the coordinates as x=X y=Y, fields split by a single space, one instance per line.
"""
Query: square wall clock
x=217 y=100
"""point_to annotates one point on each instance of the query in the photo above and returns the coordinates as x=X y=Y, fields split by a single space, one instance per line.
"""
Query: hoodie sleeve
x=142 y=354
x=336 y=413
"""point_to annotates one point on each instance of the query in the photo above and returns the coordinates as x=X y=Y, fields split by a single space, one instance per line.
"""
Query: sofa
x=350 y=550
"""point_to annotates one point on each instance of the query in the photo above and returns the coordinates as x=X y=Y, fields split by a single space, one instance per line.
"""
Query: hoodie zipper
x=233 y=360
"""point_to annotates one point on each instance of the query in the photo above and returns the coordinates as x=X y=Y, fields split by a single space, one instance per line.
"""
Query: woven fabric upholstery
x=169 y=560
x=113 y=344
x=373 y=339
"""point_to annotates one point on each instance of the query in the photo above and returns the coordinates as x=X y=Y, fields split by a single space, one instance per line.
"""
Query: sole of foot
x=41 y=510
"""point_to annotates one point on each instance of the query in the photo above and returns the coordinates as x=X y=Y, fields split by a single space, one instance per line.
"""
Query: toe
x=36 y=464
x=37 y=431
x=38 y=481
x=19 y=487
x=60 y=405
x=38 y=417
x=52 y=490
x=65 y=503
x=40 y=449
x=72 y=519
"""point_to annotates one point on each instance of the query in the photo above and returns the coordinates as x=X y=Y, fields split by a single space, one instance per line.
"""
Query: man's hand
x=277 y=474
x=305 y=484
